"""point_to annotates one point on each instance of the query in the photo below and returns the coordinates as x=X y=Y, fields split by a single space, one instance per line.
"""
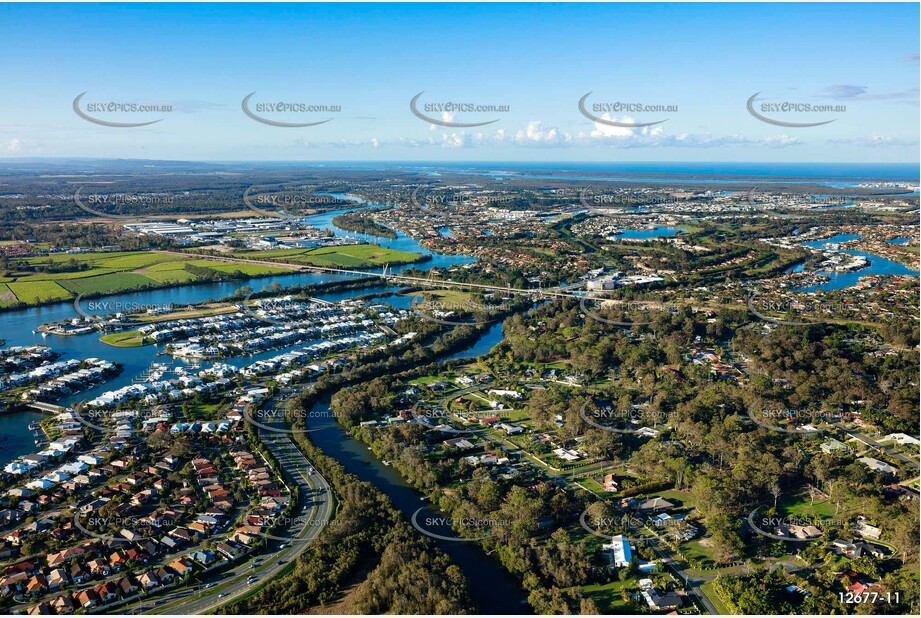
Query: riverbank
x=137 y=271
x=362 y=224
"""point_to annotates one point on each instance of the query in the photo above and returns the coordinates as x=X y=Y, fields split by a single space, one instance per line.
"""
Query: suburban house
x=620 y=551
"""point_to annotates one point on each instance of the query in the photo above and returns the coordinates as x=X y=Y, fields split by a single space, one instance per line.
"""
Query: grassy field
x=355 y=256
x=590 y=484
x=253 y=270
x=697 y=552
x=798 y=506
x=62 y=276
x=37 y=292
x=168 y=272
x=681 y=499
x=126 y=339
x=109 y=273
x=715 y=599
x=119 y=271
x=346 y=256
x=447 y=297
x=607 y=596
x=201 y=411
x=107 y=284
x=7 y=298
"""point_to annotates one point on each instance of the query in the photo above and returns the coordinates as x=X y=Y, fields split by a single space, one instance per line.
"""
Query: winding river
x=492 y=589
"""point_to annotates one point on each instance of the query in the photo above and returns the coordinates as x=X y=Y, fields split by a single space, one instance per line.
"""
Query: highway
x=314 y=491
x=559 y=292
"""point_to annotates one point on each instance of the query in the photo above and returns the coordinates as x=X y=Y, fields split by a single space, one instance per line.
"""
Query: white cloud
x=874 y=141
x=536 y=134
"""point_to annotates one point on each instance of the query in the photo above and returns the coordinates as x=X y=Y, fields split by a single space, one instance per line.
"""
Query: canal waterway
x=493 y=590
x=878 y=265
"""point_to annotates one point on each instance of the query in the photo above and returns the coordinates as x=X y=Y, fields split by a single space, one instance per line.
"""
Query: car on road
x=281 y=562
x=222 y=595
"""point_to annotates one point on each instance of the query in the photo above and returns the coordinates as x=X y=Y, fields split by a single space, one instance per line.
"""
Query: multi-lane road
x=314 y=511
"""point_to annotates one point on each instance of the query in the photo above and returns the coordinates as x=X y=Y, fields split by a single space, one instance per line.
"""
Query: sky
x=699 y=64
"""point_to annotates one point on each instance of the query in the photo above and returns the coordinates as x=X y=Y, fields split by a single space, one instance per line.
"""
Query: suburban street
x=277 y=554
x=878 y=447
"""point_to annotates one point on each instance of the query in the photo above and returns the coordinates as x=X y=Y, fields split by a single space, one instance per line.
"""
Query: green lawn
x=591 y=485
x=346 y=256
x=253 y=270
x=448 y=297
x=108 y=284
x=715 y=599
x=681 y=499
x=169 y=272
x=697 y=553
x=127 y=339
x=35 y=292
x=607 y=596
x=798 y=506
x=62 y=276
x=111 y=273
x=201 y=411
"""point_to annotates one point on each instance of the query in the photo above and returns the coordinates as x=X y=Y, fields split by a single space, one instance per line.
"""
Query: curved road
x=314 y=493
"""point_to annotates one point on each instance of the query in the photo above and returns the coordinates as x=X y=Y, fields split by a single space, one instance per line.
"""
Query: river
x=15 y=436
x=18 y=326
x=492 y=588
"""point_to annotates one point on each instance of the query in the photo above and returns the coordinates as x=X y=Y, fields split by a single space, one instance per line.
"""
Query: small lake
x=656 y=232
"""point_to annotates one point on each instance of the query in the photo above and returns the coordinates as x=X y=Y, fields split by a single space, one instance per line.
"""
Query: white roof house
x=620 y=549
